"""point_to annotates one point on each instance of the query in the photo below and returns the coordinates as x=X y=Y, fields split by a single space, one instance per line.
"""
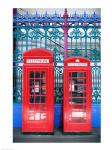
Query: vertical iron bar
x=46 y=38
x=27 y=39
x=86 y=43
x=65 y=28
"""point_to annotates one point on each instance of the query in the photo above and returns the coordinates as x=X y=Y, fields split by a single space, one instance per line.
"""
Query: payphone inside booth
x=77 y=95
x=38 y=91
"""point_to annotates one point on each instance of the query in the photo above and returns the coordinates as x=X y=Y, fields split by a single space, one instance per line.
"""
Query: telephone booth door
x=38 y=111
x=77 y=95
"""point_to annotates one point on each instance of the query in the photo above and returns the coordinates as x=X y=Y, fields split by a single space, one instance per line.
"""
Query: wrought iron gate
x=48 y=31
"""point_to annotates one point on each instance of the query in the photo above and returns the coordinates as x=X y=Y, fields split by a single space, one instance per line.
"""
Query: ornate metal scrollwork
x=46 y=31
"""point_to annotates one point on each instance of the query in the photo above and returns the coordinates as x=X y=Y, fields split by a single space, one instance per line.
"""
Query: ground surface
x=57 y=137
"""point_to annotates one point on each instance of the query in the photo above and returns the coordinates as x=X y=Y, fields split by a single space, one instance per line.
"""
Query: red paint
x=77 y=95
x=38 y=91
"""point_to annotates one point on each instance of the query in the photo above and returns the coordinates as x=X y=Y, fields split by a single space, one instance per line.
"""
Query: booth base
x=57 y=137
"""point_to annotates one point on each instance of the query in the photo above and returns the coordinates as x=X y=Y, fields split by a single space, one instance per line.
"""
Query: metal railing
x=46 y=31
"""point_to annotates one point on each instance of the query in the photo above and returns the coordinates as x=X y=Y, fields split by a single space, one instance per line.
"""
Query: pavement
x=57 y=137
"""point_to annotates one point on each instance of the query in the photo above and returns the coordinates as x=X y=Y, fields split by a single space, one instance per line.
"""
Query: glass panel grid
x=77 y=97
x=37 y=89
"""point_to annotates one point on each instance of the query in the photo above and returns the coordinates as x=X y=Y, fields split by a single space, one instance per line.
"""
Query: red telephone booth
x=38 y=91
x=77 y=95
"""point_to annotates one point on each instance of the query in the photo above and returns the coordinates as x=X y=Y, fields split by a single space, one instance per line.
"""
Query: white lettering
x=77 y=64
x=37 y=61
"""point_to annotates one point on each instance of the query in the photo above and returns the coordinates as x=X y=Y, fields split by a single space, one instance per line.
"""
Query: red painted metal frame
x=69 y=109
x=46 y=125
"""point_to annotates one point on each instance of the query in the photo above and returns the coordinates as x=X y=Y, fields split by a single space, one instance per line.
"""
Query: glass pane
x=43 y=98
x=43 y=90
x=78 y=100
x=31 y=86
x=37 y=74
x=31 y=99
x=74 y=74
x=43 y=82
x=37 y=99
x=78 y=94
x=79 y=81
x=31 y=74
x=31 y=91
x=79 y=87
x=31 y=82
x=43 y=74
x=78 y=74
x=73 y=87
x=37 y=86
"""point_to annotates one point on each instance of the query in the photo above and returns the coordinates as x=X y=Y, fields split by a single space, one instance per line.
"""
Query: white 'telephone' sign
x=77 y=64
x=37 y=61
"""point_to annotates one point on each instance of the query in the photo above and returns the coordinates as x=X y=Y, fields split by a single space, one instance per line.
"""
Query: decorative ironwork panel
x=96 y=84
x=85 y=42
x=17 y=83
x=56 y=18
x=46 y=31
x=58 y=84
